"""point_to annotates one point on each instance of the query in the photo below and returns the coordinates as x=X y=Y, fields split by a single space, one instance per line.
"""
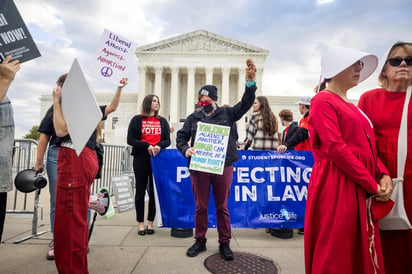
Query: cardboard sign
x=15 y=39
x=79 y=106
x=123 y=192
x=113 y=58
x=210 y=148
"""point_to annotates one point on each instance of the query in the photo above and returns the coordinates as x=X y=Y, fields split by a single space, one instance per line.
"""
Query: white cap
x=337 y=59
x=305 y=100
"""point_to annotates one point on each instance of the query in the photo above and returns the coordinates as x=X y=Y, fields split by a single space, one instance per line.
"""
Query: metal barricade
x=117 y=161
x=24 y=157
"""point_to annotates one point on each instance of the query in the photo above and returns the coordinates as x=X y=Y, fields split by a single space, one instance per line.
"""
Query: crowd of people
x=359 y=152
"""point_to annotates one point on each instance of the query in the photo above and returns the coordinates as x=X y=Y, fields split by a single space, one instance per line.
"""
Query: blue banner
x=269 y=189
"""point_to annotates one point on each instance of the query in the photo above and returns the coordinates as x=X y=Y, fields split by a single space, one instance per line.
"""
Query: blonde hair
x=383 y=79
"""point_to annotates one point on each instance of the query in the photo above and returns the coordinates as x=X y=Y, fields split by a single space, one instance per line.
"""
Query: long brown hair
x=147 y=106
x=268 y=123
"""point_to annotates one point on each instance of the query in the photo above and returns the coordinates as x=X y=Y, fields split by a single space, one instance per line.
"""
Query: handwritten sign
x=210 y=148
x=15 y=39
x=112 y=58
x=123 y=192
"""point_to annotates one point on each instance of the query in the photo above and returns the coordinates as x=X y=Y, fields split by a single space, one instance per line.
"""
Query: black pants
x=144 y=181
x=3 y=205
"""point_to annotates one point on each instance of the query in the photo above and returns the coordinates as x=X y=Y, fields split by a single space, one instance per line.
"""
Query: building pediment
x=200 y=41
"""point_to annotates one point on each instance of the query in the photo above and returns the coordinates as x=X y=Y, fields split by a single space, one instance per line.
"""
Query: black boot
x=226 y=252
x=199 y=246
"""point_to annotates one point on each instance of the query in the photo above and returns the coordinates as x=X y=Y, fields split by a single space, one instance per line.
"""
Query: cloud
x=321 y=2
x=295 y=33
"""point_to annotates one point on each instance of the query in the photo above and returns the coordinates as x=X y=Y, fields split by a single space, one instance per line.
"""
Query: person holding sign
x=8 y=71
x=341 y=228
x=148 y=133
x=211 y=113
x=75 y=174
x=394 y=78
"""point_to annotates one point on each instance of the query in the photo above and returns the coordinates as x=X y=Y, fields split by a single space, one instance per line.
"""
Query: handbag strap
x=402 y=138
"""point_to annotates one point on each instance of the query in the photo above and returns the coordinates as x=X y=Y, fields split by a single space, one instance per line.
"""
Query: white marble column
x=158 y=82
x=191 y=92
x=209 y=75
x=174 y=95
x=225 y=85
x=142 y=87
x=259 y=76
x=241 y=83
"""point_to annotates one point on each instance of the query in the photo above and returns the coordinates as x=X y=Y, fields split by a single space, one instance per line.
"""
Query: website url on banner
x=270 y=157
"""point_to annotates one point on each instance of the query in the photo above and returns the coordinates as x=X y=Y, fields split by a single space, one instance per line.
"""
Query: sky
x=295 y=32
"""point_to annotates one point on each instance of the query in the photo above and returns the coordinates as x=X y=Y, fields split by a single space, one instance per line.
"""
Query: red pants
x=201 y=182
x=74 y=178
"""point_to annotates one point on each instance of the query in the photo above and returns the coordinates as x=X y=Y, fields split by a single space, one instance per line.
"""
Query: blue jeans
x=51 y=168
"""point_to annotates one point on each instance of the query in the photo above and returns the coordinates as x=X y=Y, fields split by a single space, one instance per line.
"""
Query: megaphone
x=28 y=181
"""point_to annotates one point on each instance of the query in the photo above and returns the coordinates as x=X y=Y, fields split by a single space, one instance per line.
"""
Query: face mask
x=208 y=108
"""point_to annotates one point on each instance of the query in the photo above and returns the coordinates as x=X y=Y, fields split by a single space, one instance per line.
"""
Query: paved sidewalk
x=115 y=247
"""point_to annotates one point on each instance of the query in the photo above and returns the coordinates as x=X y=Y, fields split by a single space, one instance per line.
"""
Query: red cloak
x=384 y=108
x=340 y=236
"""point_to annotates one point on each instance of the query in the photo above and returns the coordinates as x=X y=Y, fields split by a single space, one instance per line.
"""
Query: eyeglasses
x=203 y=104
x=358 y=63
x=397 y=61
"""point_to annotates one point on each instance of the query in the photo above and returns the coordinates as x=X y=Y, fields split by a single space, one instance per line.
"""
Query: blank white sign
x=79 y=106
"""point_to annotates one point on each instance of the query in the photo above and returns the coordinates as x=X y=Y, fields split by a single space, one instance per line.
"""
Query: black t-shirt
x=47 y=126
x=91 y=143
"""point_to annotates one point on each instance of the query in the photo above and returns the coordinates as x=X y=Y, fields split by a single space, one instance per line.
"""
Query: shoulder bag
x=397 y=218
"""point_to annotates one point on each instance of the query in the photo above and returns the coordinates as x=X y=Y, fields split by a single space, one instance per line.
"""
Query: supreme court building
x=176 y=68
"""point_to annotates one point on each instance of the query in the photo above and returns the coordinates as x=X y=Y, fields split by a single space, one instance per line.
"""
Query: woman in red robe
x=340 y=234
x=384 y=107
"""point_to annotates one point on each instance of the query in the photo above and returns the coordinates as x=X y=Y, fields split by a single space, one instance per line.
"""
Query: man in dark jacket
x=211 y=113
x=286 y=118
x=299 y=140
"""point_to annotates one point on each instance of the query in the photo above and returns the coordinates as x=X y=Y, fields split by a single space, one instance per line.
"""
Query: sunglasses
x=203 y=104
x=396 y=62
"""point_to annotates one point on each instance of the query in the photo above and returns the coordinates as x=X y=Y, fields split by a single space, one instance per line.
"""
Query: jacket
x=293 y=127
x=6 y=145
x=224 y=116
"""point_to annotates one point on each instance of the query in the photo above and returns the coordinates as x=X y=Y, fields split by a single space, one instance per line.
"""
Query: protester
x=384 y=107
x=75 y=174
x=148 y=133
x=8 y=71
x=48 y=137
x=262 y=129
x=342 y=236
x=286 y=119
x=211 y=113
x=300 y=139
